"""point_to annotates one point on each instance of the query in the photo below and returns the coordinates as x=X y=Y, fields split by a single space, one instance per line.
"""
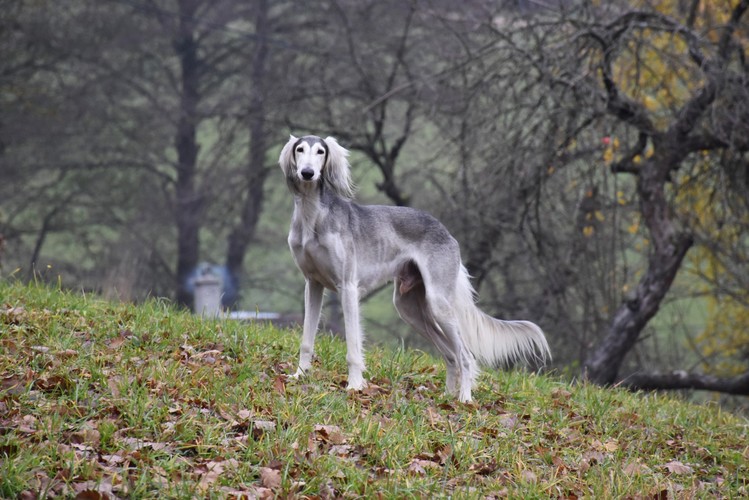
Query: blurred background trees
x=590 y=157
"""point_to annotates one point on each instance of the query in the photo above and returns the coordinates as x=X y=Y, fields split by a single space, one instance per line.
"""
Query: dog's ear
x=286 y=159
x=337 y=172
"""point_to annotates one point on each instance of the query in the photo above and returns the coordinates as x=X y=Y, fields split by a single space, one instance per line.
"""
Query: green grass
x=114 y=400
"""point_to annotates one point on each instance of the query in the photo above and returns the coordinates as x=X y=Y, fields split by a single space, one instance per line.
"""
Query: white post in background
x=208 y=294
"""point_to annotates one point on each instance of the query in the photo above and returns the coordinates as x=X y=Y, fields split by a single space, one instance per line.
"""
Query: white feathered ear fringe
x=337 y=172
x=286 y=159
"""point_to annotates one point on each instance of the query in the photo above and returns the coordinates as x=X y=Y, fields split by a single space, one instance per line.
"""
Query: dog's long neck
x=310 y=204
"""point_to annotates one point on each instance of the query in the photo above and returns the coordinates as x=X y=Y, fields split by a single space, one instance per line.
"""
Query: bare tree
x=700 y=123
x=659 y=141
x=203 y=46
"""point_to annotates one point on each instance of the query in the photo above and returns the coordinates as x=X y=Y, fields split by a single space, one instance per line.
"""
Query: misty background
x=590 y=158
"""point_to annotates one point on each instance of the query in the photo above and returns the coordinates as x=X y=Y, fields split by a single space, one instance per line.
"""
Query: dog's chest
x=315 y=258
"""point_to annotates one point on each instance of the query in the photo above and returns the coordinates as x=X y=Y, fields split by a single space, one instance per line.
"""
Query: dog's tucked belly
x=316 y=261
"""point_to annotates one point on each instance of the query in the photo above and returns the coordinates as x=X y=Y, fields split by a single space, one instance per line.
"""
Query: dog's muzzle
x=307 y=174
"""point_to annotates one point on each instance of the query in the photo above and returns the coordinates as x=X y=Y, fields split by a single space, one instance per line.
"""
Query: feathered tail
x=495 y=342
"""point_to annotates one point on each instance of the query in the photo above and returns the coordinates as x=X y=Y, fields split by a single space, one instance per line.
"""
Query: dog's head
x=310 y=159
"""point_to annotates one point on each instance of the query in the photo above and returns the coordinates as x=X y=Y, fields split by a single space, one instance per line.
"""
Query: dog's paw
x=465 y=397
x=356 y=384
x=298 y=374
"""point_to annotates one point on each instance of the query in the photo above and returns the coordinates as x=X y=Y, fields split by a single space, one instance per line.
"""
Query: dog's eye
x=300 y=149
x=321 y=151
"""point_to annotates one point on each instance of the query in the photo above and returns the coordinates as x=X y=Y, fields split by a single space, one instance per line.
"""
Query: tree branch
x=617 y=103
x=724 y=45
x=738 y=385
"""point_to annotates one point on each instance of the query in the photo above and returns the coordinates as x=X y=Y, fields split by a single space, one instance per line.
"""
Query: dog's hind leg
x=354 y=350
x=465 y=365
x=410 y=301
x=313 y=294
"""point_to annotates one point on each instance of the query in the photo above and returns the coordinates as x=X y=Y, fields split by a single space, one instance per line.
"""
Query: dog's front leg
x=354 y=352
x=313 y=293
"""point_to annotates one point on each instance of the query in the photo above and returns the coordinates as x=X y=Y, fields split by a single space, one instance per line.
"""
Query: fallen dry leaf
x=419 y=466
x=260 y=427
x=373 y=389
x=509 y=421
x=83 y=447
x=15 y=315
x=14 y=385
x=329 y=434
x=247 y=493
x=138 y=444
x=67 y=353
x=113 y=459
x=435 y=418
x=86 y=436
x=270 y=478
x=561 y=394
x=594 y=457
x=636 y=468
x=213 y=470
x=54 y=384
x=341 y=450
x=678 y=468
x=91 y=495
x=529 y=476
x=611 y=445
x=210 y=352
x=116 y=342
x=93 y=490
x=483 y=468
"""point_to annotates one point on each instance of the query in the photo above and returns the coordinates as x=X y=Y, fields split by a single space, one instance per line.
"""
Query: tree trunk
x=43 y=231
x=668 y=250
x=256 y=172
x=188 y=200
x=603 y=364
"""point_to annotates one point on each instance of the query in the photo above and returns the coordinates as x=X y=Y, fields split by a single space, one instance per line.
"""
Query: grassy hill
x=107 y=400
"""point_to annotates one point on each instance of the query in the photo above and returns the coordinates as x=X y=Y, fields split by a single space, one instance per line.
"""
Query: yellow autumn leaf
x=608 y=155
x=611 y=445
x=650 y=103
x=588 y=231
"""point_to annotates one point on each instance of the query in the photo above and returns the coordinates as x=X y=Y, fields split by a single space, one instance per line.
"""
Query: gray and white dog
x=352 y=249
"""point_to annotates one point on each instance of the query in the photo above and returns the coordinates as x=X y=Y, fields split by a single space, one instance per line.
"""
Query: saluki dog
x=352 y=249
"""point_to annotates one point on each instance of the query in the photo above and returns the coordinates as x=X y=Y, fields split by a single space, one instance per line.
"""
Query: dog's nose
x=307 y=173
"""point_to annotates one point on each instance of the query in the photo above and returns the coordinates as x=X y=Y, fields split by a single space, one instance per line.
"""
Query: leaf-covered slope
x=109 y=400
